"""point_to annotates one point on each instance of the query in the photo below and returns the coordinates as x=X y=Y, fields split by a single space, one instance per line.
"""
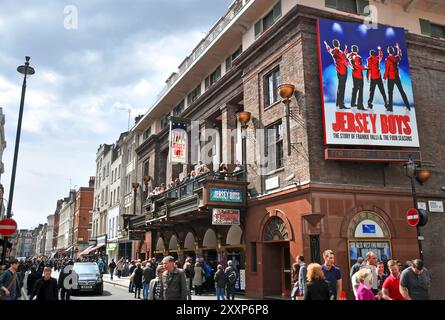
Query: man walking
x=341 y=65
x=46 y=287
x=391 y=286
x=64 y=284
x=302 y=275
x=120 y=267
x=393 y=76
x=376 y=77
x=10 y=283
x=111 y=267
x=173 y=279
x=332 y=275
x=231 y=277
x=220 y=282
x=415 y=282
x=148 y=275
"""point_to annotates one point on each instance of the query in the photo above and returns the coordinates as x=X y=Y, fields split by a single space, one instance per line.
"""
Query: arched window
x=173 y=244
x=160 y=246
x=209 y=240
x=189 y=242
x=275 y=230
x=234 y=235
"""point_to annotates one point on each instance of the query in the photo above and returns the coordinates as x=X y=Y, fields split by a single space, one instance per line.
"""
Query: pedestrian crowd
x=167 y=279
x=199 y=170
x=35 y=275
x=370 y=279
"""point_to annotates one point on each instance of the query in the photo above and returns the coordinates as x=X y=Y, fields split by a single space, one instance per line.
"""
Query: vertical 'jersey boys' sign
x=178 y=141
x=366 y=85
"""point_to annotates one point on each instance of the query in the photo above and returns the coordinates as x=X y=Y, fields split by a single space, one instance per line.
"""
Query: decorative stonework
x=367 y=215
x=275 y=230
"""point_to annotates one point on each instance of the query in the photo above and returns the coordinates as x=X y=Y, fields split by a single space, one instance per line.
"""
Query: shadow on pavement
x=91 y=294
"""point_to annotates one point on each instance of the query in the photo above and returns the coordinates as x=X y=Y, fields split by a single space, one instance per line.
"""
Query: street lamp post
x=26 y=70
x=135 y=186
x=286 y=92
x=244 y=118
x=422 y=176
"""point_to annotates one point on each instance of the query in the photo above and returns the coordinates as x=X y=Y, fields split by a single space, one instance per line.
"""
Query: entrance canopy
x=86 y=251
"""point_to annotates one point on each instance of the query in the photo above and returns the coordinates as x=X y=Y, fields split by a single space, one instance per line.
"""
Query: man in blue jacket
x=10 y=283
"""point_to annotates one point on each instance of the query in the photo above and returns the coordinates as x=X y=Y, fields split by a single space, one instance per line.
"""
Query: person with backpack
x=220 y=282
x=10 y=282
x=231 y=280
x=65 y=286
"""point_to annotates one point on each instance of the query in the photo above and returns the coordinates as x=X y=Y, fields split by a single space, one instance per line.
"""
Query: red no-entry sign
x=412 y=216
x=7 y=227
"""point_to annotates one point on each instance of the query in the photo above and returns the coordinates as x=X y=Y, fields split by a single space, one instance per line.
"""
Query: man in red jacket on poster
x=357 y=77
x=376 y=76
x=392 y=74
x=341 y=65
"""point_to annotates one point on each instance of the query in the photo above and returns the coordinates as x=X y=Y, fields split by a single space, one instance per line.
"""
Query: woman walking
x=198 y=279
x=316 y=288
x=137 y=280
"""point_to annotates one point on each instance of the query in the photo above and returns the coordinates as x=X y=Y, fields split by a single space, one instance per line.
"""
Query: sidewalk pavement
x=124 y=282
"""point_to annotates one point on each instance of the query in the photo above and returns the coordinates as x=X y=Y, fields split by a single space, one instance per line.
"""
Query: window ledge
x=272 y=105
x=275 y=171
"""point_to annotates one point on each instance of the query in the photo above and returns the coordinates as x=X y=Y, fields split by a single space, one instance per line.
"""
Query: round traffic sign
x=412 y=216
x=7 y=227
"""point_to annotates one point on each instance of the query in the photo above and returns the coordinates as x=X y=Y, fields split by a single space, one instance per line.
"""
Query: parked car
x=88 y=277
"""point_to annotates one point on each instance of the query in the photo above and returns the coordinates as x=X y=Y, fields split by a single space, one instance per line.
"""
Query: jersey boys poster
x=366 y=86
x=178 y=141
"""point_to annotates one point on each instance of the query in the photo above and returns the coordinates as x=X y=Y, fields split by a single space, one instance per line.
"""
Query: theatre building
x=322 y=160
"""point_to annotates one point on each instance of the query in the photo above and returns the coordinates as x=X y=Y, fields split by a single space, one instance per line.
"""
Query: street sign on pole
x=7 y=227
x=412 y=216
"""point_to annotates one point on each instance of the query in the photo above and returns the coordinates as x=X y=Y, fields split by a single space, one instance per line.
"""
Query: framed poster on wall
x=359 y=248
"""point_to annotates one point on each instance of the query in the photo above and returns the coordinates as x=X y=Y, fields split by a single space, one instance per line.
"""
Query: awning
x=87 y=250
x=92 y=248
x=97 y=247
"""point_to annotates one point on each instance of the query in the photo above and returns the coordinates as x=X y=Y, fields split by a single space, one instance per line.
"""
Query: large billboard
x=367 y=94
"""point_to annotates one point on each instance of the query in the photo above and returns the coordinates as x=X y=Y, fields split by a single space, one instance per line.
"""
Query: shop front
x=307 y=222
x=112 y=251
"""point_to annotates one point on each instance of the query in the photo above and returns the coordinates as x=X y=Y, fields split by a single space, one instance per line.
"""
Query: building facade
x=39 y=240
x=66 y=224
x=24 y=244
x=101 y=190
x=300 y=202
x=115 y=221
x=82 y=227
x=49 y=235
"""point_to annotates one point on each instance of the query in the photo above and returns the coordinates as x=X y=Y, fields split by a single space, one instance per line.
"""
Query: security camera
x=443 y=188
x=291 y=177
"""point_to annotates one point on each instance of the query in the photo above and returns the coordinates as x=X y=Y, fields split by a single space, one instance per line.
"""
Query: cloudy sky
x=88 y=74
